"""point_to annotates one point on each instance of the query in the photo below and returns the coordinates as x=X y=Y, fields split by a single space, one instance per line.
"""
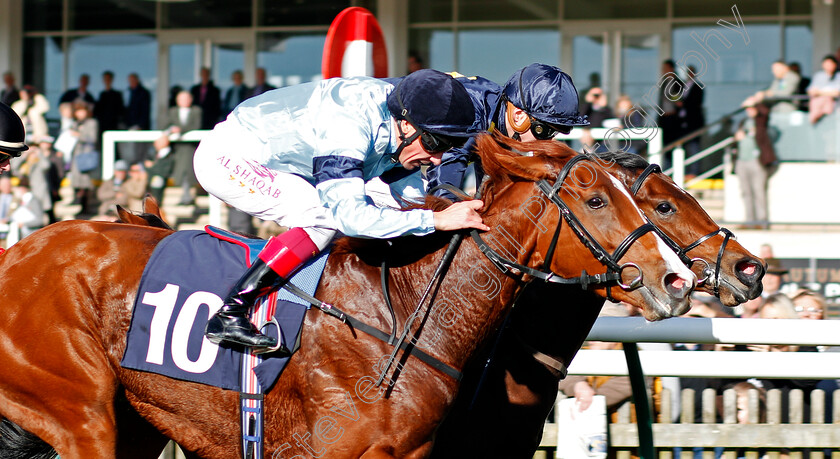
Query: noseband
x=682 y=253
x=614 y=270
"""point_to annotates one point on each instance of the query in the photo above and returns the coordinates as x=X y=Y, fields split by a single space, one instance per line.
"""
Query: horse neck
x=553 y=319
x=475 y=295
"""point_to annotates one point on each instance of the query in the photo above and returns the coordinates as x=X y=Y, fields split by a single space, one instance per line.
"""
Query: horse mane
x=624 y=159
x=506 y=160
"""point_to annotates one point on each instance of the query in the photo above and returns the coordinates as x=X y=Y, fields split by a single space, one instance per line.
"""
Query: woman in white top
x=823 y=90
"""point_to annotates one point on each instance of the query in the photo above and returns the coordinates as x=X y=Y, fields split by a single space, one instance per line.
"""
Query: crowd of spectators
x=71 y=151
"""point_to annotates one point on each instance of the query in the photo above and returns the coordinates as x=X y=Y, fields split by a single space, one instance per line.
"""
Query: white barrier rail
x=804 y=365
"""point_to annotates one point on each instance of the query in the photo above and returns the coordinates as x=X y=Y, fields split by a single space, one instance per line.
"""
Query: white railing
x=109 y=150
x=803 y=365
x=653 y=137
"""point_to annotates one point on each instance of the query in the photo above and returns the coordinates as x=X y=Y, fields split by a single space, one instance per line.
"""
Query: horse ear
x=128 y=217
x=150 y=206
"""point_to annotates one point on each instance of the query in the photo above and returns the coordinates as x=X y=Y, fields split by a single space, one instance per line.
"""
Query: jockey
x=538 y=102
x=12 y=135
x=300 y=156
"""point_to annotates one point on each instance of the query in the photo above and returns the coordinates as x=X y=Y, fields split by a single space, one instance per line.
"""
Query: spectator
x=742 y=401
x=823 y=90
x=802 y=89
x=138 y=111
x=160 y=168
x=240 y=222
x=668 y=116
x=755 y=163
x=749 y=309
x=235 y=94
x=415 y=61
x=37 y=167
x=207 y=96
x=261 y=85
x=28 y=215
x=779 y=306
x=784 y=85
x=66 y=141
x=809 y=304
x=628 y=117
x=6 y=202
x=596 y=108
x=10 y=92
x=137 y=117
x=31 y=107
x=772 y=280
x=79 y=94
x=86 y=131
x=122 y=189
x=616 y=389
x=691 y=118
x=180 y=120
x=110 y=109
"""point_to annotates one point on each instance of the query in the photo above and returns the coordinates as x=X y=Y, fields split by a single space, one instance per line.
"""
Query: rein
x=682 y=253
x=357 y=324
x=614 y=270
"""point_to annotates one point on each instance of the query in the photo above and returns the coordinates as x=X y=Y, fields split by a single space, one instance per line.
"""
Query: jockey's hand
x=460 y=215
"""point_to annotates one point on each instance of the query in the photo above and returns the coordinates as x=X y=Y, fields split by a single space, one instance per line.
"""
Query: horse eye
x=596 y=203
x=665 y=208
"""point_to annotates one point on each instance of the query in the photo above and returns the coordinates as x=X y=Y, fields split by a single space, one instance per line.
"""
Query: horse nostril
x=748 y=271
x=676 y=285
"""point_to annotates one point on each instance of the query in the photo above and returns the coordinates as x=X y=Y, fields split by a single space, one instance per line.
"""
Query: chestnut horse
x=505 y=417
x=68 y=292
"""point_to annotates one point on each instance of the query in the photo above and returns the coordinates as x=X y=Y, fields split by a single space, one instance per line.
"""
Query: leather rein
x=610 y=260
x=681 y=252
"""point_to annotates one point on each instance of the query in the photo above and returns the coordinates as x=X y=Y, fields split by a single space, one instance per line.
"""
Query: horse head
x=726 y=269
x=573 y=204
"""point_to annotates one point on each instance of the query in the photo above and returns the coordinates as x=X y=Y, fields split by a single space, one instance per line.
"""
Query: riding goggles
x=545 y=131
x=436 y=143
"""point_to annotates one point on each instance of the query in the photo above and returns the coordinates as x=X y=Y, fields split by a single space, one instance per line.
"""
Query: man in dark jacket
x=207 y=96
x=110 y=108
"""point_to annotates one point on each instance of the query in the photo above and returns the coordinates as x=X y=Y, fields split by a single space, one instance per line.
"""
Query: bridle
x=614 y=270
x=682 y=253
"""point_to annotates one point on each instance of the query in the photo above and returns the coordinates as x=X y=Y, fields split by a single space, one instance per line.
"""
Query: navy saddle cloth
x=184 y=283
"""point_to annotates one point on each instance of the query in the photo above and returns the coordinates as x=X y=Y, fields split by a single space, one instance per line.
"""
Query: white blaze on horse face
x=672 y=261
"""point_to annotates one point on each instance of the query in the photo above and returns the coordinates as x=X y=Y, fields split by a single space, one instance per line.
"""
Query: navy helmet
x=546 y=93
x=12 y=134
x=434 y=102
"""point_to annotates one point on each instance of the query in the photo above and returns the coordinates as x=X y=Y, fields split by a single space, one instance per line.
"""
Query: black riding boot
x=231 y=323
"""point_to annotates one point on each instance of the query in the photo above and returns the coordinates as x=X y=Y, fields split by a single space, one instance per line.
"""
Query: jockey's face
x=5 y=165
x=414 y=155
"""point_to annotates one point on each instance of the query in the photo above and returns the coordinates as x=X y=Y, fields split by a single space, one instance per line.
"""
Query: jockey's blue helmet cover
x=434 y=101
x=12 y=134
x=546 y=93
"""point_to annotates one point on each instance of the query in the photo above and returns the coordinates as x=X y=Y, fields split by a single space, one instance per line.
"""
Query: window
x=290 y=58
x=111 y=15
